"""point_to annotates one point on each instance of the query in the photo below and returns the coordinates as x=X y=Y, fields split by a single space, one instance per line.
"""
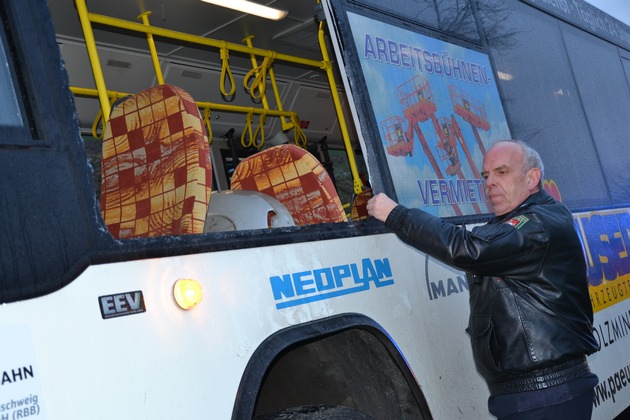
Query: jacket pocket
x=484 y=344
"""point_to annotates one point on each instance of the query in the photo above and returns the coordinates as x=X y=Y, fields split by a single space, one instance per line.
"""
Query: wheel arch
x=347 y=360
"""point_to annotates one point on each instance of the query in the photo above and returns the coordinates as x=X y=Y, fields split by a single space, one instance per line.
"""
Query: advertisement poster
x=438 y=110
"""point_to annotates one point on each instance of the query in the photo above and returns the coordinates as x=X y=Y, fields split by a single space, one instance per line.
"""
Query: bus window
x=17 y=125
x=10 y=112
x=454 y=16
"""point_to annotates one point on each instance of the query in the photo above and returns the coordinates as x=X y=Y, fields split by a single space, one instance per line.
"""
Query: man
x=531 y=317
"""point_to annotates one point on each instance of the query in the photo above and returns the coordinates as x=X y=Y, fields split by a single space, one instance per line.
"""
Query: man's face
x=507 y=186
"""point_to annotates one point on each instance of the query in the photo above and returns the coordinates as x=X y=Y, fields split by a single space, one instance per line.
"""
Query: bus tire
x=317 y=412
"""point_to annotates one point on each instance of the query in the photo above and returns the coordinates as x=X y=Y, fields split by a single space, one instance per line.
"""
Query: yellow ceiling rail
x=195 y=39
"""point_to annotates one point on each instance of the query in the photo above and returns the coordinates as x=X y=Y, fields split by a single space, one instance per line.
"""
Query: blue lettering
x=341 y=272
x=417 y=54
x=437 y=63
x=448 y=64
x=381 y=49
x=394 y=56
x=427 y=61
x=471 y=191
x=328 y=282
x=301 y=280
x=466 y=70
x=604 y=239
x=425 y=197
x=363 y=281
x=444 y=197
x=434 y=190
x=282 y=286
x=369 y=48
x=383 y=268
x=405 y=58
x=475 y=73
x=321 y=275
x=457 y=191
x=456 y=69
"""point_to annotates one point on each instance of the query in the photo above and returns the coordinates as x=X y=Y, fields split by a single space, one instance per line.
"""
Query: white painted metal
x=170 y=363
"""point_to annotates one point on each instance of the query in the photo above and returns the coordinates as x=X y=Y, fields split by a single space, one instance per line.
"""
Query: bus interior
x=257 y=83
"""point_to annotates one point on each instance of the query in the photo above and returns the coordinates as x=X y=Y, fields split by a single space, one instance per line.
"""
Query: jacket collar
x=540 y=197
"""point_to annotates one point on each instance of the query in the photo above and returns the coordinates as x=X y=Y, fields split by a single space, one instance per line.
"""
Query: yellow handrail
x=111 y=96
x=154 y=57
x=358 y=184
x=195 y=39
x=205 y=106
x=267 y=55
x=94 y=60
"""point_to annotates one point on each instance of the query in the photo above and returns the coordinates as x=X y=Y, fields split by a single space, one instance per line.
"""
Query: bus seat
x=156 y=168
x=241 y=210
x=296 y=179
x=359 y=205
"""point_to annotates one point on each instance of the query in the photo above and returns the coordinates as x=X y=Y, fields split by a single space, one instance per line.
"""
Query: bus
x=183 y=192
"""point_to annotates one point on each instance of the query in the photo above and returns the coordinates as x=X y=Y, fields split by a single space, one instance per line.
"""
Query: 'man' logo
x=121 y=304
x=443 y=288
x=325 y=283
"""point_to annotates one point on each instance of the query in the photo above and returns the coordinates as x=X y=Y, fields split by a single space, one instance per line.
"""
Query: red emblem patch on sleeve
x=517 y=222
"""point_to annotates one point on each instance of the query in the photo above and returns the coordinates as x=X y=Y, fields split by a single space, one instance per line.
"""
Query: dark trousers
x=573 y=400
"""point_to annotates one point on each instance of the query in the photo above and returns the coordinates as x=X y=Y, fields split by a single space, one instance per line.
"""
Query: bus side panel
x=114 y=340
x=606 y=237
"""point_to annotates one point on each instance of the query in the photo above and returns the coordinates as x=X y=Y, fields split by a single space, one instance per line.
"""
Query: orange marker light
x=187 y=293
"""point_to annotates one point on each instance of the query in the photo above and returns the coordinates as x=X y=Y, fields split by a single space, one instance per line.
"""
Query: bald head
x=512 y=171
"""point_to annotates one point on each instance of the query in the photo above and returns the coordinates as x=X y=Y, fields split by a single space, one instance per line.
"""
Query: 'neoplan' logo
x=326 y=283
x=121 y=304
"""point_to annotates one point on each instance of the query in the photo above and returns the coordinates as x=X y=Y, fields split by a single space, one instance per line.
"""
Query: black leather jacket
x=531 y=316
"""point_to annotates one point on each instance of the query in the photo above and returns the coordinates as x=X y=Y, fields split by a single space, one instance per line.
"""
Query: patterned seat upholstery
x=295 y=178
x=156 y=169
x=359 y=205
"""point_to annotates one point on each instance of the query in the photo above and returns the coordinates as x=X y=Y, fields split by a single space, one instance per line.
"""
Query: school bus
x=183 y=195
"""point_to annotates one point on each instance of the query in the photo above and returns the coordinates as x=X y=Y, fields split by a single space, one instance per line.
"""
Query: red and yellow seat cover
x=295 y=178
x=156 y=168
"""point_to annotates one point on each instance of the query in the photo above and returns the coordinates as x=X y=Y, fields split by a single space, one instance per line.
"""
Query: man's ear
x=533 y=178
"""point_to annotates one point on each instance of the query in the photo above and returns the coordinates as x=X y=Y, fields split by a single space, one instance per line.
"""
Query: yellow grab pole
x=99 y=80
x=358 y=184
x=285 y=125
x=154 y=57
